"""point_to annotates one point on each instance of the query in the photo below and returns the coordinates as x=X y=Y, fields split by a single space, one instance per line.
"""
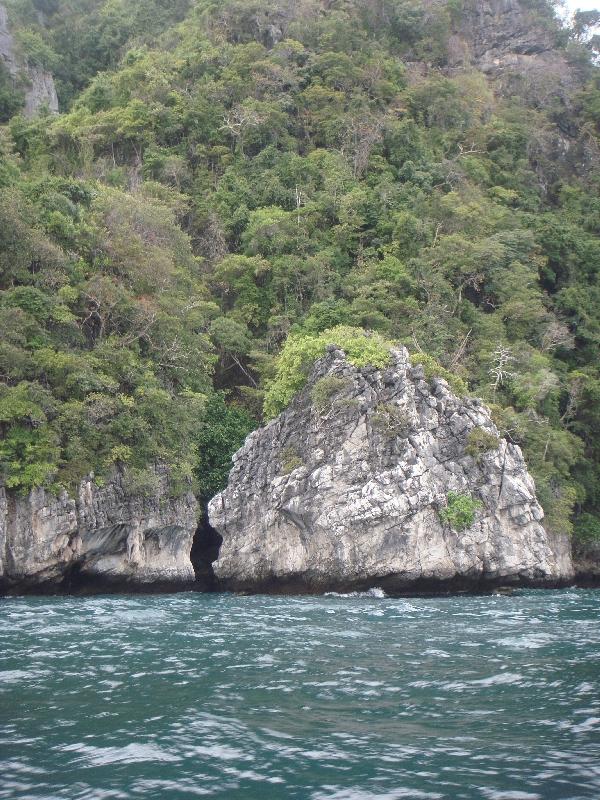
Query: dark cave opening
x=205 y=551
x=73 y=581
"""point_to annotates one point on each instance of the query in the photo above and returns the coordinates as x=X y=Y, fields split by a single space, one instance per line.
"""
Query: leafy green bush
x=587 y=531
x=142 y=482
x=220 y=432
x=460 y=511
x=37 y=53
x=29 y=451
x=299 y=353
x=11 y=98
x=480 y=441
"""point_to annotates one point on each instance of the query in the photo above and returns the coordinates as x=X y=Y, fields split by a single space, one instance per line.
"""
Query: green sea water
x=339 y=697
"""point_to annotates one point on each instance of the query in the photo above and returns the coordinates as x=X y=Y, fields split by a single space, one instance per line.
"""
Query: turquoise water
x=344 y=698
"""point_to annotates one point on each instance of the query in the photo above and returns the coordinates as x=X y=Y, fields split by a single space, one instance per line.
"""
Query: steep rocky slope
x=350 y=491
x=498 y=35
x=105 y=536
x=40 y=90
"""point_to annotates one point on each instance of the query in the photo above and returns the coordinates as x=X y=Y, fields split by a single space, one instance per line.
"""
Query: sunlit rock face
x=105 y=536
x=350 y=492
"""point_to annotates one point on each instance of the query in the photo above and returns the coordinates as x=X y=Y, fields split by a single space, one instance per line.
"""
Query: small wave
x=356 y=793
x=20 y=675
x=531 y=641
x=502 y=679
x=129 y=754
x=376 y=592
x=587 y=725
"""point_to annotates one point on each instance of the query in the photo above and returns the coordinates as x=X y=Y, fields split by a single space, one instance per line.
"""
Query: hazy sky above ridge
x=582 y=5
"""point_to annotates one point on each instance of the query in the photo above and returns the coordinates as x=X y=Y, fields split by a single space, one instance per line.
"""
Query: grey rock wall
x=104 y=536
x=516 y=48
x=348 y=496
x=40 y=91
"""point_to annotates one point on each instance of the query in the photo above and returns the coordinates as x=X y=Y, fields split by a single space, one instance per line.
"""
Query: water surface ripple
x=329 y=698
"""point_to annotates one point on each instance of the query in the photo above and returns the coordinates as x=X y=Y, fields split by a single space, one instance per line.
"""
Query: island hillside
x=192 y=192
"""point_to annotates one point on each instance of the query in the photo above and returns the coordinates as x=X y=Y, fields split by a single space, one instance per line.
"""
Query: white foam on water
x=18 y=675
x=265 y=659
x=356 y=793
x=129 y=754
x=588 y=725
x=376 y=592
x=527 y=642
x=499 y=680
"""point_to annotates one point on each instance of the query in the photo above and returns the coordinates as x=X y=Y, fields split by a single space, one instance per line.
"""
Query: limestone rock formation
x=518 y=48
x=40 y=91
x=499 y=32
x=348 y=492
x=106 y=536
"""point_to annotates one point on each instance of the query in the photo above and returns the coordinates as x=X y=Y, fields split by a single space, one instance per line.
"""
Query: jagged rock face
x=511 y=43
x=348 y=495
x=501 y=29
x=105 y=536
x=40 y=90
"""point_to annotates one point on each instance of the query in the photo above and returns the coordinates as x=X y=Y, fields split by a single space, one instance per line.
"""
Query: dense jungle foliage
x=225 y=174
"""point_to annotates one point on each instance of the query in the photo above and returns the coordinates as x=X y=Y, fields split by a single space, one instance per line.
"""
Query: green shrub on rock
x=299 y=353
x=290 y=460
x=480 y=441
x=459 y=512
x=391 y=420
x=433 y=369
x=326 y=390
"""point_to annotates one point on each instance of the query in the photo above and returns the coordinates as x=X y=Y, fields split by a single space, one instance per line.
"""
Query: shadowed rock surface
x=106 y=537
x=586 y=560
x=348 y=495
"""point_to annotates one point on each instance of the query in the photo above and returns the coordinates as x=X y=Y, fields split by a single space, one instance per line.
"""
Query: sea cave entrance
x=205 y=551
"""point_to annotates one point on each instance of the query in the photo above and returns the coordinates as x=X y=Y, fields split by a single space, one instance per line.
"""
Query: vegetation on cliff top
x=228 y=175
x=299 y=353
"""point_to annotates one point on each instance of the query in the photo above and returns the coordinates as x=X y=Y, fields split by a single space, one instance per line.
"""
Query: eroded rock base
x=106 y=538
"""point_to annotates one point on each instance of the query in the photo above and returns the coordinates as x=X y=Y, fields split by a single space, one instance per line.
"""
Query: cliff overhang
x=104 y=538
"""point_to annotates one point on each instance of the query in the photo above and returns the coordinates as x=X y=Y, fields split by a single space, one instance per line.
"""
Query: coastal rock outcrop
x=105 y=536
x=38 y=83
x=351 y=487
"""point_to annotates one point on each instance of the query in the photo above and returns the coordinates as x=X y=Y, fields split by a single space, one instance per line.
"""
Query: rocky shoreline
x=351 y=488
x=105 y=537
